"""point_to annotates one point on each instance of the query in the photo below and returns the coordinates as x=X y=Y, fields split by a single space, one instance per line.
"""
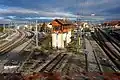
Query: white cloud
x=14 y=10
x=12 y=17
x=4 y=21
x=97 y=6
x=98 y=18
x=50 y=18
x=60 y=9
x=1 y=17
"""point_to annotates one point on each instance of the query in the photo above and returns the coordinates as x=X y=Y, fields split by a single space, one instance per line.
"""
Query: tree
x=1 y=29
x=43 y=27
x=86 y=29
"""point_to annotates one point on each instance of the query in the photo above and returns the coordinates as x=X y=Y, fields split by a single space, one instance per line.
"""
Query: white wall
x=18 y=27
x=54 y=40
x=64 y=36
x=58 y=39
x=68 y=39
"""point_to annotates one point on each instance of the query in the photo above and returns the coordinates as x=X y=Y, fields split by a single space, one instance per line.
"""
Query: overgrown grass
x=46 y=44
x=74 y=46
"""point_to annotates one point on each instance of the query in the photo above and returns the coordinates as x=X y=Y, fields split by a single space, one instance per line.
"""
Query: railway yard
x=59 y=39
x=97 y=54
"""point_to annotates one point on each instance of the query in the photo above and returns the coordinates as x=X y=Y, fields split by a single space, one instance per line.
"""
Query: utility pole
x=36 y=35
x=3 y=27
x=86 y=59
x=14 y=25
x=30 y=26
x=78 y=27
x=9 y=25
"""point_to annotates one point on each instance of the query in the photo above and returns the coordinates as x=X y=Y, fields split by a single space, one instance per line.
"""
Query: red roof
x=112 y=23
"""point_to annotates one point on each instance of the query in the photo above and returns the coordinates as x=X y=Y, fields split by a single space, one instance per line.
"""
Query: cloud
x=41 y=9
x=1 y=17
x=48 y=18
x=11 y=17
x=5 y=21
x=96 y=6
x=98 y=18
x=17 y=10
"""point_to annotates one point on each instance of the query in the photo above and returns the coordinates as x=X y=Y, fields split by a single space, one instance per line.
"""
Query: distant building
x=61 y=32
x=49 y=25
x=115 y=24
x=85 y=25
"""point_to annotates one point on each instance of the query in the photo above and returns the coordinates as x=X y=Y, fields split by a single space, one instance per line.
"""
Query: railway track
x=118 y=35
x=50 y=66
x=13 y=43
x=66 y=68
x=95 y=55
x=90 y=56
x=14 y=54
x=3 y=36
x=16 y=59
x=6 y=34
x=8 y=39
x=33 y=62
x=103 y=62
x=109 y=45
x=33 y=65
x=115 y=43
x=100 y=40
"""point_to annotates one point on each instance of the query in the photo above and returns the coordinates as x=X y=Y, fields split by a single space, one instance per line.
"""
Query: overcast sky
x=47 y=9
